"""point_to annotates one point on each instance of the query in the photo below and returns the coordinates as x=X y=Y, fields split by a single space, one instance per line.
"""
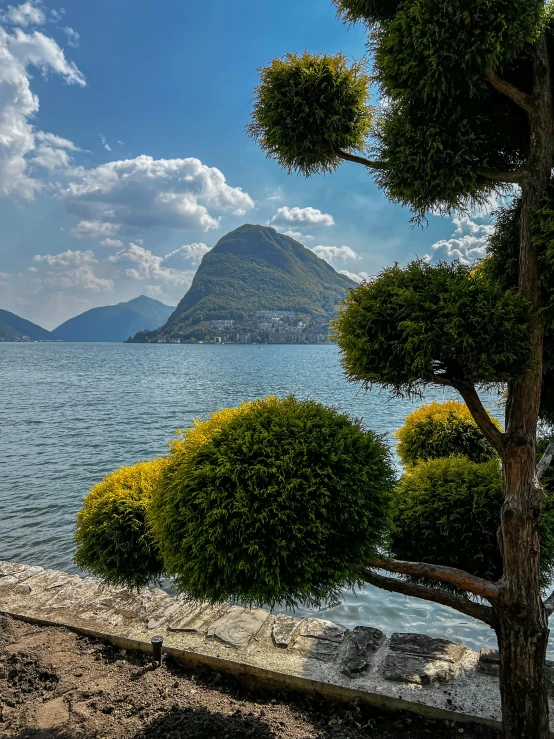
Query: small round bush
x=283 y=504
x=409 y=324
x=447 y=512
x=113 y=539
x=310 y=107
x=442 y=430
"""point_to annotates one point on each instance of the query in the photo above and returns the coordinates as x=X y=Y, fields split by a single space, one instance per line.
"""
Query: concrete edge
x=261 y=678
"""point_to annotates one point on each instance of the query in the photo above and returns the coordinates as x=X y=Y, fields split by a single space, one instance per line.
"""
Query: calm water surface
x=71 y=413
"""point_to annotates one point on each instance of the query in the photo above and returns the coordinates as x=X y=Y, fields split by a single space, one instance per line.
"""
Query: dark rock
x=489 y=661
x=420 y=659
x=360 y=649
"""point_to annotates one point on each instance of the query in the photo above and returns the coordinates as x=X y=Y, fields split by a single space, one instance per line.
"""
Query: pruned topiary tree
x=467 y=114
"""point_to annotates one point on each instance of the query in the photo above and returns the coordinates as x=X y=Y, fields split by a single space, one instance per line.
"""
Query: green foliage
x=112 y=537
x=501 y=266
x=435 y=161
x=282 y=504
x=442 y=430
x=310 y=107
x=437 y=49
x=407 y=325
x=447 y=511
x=368 y=11
x=255 y=268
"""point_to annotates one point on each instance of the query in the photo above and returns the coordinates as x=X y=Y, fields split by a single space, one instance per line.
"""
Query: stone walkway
x=433 y=677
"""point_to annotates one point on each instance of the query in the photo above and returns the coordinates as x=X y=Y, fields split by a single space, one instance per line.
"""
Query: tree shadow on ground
x=192 y=723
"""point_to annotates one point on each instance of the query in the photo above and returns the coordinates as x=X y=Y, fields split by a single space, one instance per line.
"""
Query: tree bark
x=522 y=626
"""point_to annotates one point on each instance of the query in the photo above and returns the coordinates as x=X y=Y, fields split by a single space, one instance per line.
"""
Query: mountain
x=251 y=269
x=114 y=322
x=15 y=328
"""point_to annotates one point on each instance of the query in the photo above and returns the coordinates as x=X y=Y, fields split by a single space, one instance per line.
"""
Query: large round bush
x=447 y=512
x=113 y=539
x=442 y=430
x=283 y=504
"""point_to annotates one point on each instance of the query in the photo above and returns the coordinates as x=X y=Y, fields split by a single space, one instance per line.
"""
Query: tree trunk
x=522 y=621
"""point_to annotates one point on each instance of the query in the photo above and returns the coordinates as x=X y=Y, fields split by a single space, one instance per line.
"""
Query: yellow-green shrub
x=275 y=501
x=113 y=539
x=442 y=430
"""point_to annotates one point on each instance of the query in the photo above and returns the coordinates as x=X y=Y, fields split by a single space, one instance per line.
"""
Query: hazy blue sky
x=123 y=156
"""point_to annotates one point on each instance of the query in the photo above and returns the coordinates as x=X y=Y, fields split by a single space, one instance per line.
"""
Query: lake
x=71 y=413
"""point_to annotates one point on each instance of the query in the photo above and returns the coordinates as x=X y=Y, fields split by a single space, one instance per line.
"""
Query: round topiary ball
x=282 y=504
x=442 y=430
x=310 y=107
x=113 y=539
x=447 y=512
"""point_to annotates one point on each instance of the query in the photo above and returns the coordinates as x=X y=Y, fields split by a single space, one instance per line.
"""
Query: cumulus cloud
x=188 y=255
x=304 y=216
x=137 y=263
x=112 y=242
x=26 y=14
x=467 y=243
x=355 y=277
x=20 y=51
x=95 y=230
x=72 y=269
x=298 y=235
x=146 y=192
x=335 y=254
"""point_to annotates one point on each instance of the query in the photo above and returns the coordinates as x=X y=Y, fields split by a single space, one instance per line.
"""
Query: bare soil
x=55 y=684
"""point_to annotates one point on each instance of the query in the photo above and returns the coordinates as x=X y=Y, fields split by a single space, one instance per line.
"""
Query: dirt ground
x=55 y=684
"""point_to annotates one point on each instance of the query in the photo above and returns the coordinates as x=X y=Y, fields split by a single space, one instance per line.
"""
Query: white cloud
x=72 y=36
x=117 y=243
x=298 y=235
x=356 y=277
x=146 y=192
x=334 y=254
x=56 y=141
x=467 y=243
x=95 y=230
x=18 y=105
x=312 y=216
x=137 y=263
x=189 y=255
x=72 y=269
x=106 y=146
x=26 y=14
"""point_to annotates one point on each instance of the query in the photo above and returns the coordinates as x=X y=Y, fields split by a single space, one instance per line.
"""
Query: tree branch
x=464 y=605
x=491 y=432
x=512 y=178
x=360 y=160
x=441 y=380
x=525 y=101
x=546 y=461
x=459 y=578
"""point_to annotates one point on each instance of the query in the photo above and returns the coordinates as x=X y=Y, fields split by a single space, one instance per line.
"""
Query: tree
x=468 y=114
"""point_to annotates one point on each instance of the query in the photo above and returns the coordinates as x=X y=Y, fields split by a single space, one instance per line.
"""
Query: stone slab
x=196 y=618
x=421 y=659
x=237 y=627
x=318 y=628
x=361 y=647
x=489 y=661
x=283 y=629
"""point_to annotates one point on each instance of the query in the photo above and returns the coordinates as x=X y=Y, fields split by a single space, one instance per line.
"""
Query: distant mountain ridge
x=115 y=323
x=15 y=328
x=250 y=269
